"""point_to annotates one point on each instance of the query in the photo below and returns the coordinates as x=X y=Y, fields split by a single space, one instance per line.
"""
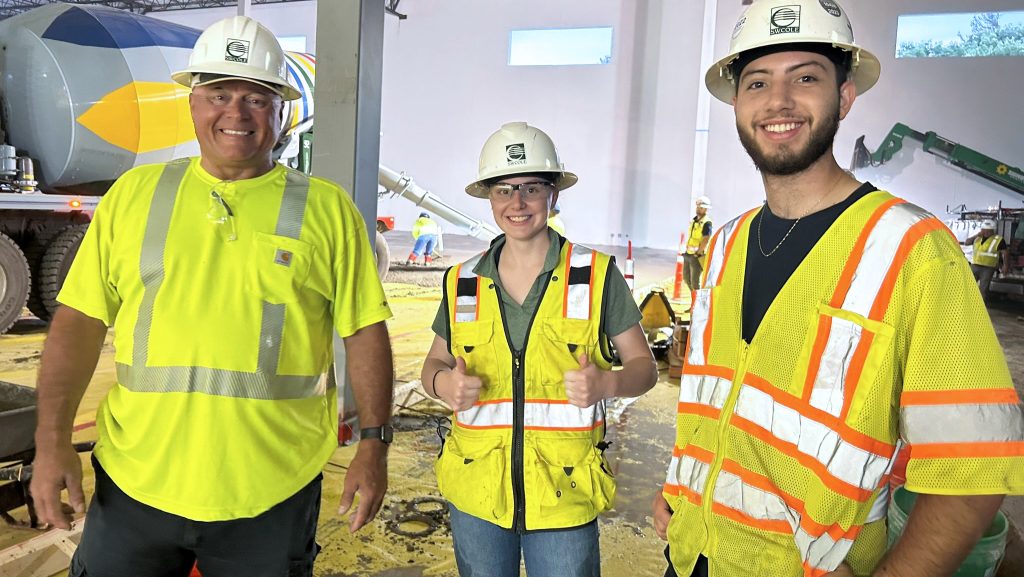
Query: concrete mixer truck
x=86 y=95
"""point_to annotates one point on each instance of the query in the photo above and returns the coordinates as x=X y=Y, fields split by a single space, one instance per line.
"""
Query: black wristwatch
x=383 y=433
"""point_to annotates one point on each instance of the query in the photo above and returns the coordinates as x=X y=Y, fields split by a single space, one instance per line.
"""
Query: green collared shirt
x=620 y=311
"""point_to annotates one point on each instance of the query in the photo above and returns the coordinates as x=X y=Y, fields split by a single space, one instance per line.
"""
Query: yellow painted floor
x=641 y=447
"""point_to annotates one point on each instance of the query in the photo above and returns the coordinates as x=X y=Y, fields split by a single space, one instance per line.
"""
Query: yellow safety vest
x=523 y=457
x=985 y=253
x=783 y=447
x=696 y=234
x=424 y=225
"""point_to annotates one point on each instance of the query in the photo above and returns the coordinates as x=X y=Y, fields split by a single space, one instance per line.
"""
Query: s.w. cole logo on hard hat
x=785 y=20
x=515 y=154
x=237 y=51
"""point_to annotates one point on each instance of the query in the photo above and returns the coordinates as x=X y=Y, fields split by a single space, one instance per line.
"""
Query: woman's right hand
x=457 y=388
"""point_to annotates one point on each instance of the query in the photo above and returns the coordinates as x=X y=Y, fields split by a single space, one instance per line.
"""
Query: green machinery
x=956 y=154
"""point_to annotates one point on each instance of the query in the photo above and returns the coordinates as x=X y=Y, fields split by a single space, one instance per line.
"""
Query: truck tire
x=14 y=282
x=57 y=262
x=383 y=254
x=35 y=250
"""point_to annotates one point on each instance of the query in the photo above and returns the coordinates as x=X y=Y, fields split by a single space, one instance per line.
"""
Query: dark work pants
x=125 y=538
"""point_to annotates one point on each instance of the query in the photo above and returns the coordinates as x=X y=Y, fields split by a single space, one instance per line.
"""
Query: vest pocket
x=572 y=475
x=471 y=475
x=278 y=267
x=842 y=350
x=565 y=340
x=471 y=340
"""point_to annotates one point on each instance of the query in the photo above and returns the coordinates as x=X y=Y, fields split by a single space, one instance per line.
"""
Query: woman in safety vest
x=522 y=357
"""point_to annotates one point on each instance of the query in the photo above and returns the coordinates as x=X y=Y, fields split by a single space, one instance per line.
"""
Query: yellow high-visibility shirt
x=220 y=411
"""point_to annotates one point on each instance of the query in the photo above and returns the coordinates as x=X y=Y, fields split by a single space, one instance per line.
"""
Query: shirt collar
x=488 y=265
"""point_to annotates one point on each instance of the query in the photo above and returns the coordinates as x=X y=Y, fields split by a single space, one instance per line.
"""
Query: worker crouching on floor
x=834 y=322
x=424 y=233
x=224 y=277
x=521 y=355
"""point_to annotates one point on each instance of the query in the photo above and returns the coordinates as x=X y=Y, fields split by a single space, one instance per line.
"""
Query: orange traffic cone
x=677 y=287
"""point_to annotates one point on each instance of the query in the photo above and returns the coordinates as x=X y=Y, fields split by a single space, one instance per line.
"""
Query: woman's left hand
x=586 y=386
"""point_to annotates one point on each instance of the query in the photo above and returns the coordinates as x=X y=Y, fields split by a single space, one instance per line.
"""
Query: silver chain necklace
x=760 y=218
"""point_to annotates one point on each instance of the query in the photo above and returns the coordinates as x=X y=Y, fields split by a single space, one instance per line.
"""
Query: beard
x=788 y=161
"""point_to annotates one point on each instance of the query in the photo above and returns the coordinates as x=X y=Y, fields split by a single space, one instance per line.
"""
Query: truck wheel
x=14 y=282
x=57 y=262
x=383 y=254
x=35 y=249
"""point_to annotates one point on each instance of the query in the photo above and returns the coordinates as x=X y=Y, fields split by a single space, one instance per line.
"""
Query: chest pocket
x=845 y=352
x=278 y=268
x=474 y=342
x=565 y=340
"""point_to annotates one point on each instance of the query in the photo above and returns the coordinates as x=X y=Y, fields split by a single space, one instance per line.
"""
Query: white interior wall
x=627 y=128
x=972 y=101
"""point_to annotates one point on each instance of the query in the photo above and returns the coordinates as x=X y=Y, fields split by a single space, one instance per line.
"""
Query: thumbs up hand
x=457 y=388
x=585 y=386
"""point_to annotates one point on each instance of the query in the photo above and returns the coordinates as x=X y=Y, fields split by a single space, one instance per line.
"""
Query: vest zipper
x=708 y=498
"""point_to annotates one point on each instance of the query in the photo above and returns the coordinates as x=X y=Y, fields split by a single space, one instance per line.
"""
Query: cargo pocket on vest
x=573 y=476
x=471 y=475
x=278 y=267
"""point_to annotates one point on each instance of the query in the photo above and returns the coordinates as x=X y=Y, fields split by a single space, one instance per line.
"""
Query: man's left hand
x=368 y=476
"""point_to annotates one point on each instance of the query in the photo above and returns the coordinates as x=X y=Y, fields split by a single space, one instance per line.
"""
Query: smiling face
x=788 y=110
x=522 y=216
x=237 y=125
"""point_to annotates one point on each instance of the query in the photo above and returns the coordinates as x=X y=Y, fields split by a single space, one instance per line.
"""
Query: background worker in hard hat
x=555 y=221
x=990 y=253
x=224 y=277
x=835 y=321
x=424 y=232
x=521 y=355
x=697 y=243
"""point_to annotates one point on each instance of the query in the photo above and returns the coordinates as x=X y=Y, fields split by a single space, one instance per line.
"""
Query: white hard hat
x=518 y=148
x=780 y=22
x=703 y=201
x=989 y=224
x=238 y=47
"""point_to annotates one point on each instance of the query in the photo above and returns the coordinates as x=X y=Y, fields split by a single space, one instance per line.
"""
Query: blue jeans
x=424 y=245
x=483 y=549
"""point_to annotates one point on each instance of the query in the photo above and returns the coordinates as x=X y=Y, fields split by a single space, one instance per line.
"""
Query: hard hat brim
x=864 y=75
x=184 y=77
x=563 y=180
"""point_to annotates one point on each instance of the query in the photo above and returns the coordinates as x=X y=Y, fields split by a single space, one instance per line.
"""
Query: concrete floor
x=642 y=439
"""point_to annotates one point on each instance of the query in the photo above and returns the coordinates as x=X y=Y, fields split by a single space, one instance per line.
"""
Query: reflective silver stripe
x=823 y=552
x=559 y=415
x=844 y=336
x=704 y=390
x=264 y=383
x=217 y=382
x=989 y=422
x=578 y=297
x=717 y=257
x=293 y=205
x=466 y=306
x=699 y=316
x=151 y=259
x=752 y=501
x=687 y=472
x=842 y=460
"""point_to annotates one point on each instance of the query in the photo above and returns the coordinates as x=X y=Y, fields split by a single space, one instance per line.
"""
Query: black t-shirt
x=765 y=276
